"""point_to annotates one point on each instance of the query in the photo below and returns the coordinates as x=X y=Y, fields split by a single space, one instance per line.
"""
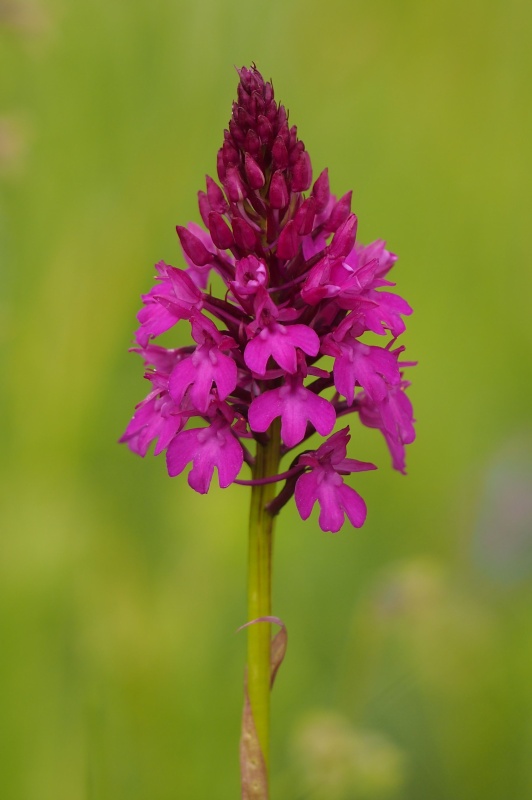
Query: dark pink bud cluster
x=298 y=288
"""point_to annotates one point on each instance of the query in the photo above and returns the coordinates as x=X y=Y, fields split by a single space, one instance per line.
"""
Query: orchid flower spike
x=298 y=287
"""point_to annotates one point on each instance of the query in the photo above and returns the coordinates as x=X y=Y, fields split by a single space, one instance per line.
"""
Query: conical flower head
x=297 y=287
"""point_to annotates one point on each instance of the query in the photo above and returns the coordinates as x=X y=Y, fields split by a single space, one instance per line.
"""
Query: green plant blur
x=408 y=669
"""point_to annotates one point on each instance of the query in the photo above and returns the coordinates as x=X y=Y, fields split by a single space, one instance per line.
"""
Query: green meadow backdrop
x=408 y=669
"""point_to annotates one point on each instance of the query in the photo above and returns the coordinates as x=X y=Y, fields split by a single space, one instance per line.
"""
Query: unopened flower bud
x=296 y=148
x=235 y=129
x=245 y=236
x=204 y=207
x=256 y=104
x=344 y=238
x=268 y=93
x=293 y=137
x=281 y=116
x=279 y=154
x=321 y=191
x=220 y=232
x=264 y=129
x=243 y=93
x=302 y=173
x=216 y=196
x=340 y=213
x=230 y=153
x=254 y=173
x=304 y=218
x=233 y=185
x=278 y=191
x=193 y=247
x=252 y=143
x=288 y=243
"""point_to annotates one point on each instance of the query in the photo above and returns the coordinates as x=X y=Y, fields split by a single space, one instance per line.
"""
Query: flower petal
x=210 y=447
x=264 y=409
x=353 y=504
x=331 y=511
x=306 y=493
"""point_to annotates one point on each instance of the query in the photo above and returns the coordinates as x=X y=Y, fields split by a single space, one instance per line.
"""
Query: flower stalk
x=261 y=527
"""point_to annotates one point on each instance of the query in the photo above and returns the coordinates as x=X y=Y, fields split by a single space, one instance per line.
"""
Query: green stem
x=261 y=525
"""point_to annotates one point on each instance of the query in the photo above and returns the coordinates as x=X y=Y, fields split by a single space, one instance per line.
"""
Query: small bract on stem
x=298 y=286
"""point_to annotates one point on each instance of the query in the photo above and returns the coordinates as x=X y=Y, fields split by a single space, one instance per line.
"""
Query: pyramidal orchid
x=277 y=359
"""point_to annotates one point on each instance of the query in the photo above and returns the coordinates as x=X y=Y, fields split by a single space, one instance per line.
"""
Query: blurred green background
x=410 y=645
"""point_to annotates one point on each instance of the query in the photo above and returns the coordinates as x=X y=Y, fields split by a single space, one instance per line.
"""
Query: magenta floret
x=324 y=484
x=298 y=287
